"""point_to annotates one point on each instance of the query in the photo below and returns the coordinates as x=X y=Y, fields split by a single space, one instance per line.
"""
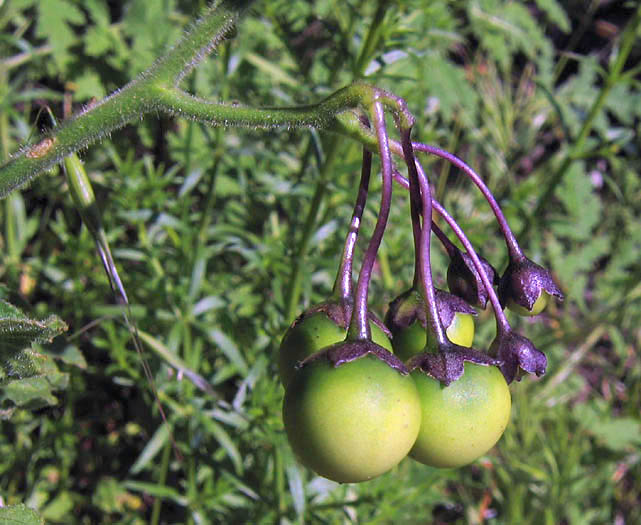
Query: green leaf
x=505 y=28
x=555 y=13
x=20 y=515
x=295 y=480
x=155 y=445
x=110 y=496
x=17 y=334
x=53 y=24
x=449 y=86
x=158 y=491
x=32 y=392
x=618 y=434
x=225 y=441
x=580 y=202
x=229 y=348
x=88 y=86
x=59 y=508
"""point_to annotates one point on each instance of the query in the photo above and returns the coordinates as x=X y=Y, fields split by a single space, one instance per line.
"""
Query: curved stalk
x=343 y=285
x=156 y=91
x=512 y=245
x=502 y=323
x=359 y=323
x=449 y=246
x=349 y=125
x=418 y=178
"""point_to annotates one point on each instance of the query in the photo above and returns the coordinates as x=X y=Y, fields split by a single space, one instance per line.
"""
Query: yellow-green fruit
x=411 y=340
x=353 y=422
x=312 y=334
x=538 y=306
x=463 y=420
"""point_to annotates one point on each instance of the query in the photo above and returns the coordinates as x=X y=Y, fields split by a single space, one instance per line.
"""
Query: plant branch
x=343 y=285
x=156 y=91
x=503 y=325
x=359 y=328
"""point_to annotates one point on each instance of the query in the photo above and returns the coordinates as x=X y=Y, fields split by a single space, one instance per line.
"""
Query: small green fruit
x=310 y=334
x=538 y=306
x=463 y=420
x=406 y=320
x=412 y=340
x=352 y=422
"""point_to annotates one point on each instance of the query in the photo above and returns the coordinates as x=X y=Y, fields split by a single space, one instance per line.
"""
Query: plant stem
x=449 y=246
x=510 y=240
x=359 y=324
x=349 y=125
x=501 y=320
x=372 y=39
x=145 y=95
x=156 y=91
x=199 y=41
x=415 y=214
x=164 y=469
x=418 y=179
x=21 y=58
x=343 y=285
x=502 y=324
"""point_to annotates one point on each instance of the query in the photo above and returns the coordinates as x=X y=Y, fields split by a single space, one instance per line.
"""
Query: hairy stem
x=156 y=91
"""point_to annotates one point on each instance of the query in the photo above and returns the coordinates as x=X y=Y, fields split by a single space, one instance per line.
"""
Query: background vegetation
x=211 y=229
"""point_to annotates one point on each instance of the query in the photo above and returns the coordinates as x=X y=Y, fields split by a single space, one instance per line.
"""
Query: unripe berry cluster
x=362 y=394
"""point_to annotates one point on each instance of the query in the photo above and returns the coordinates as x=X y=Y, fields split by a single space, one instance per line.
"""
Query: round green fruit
x=538 y=306
x=352 y=422
x=464 y=420
x=411 y=340
x=311 y=334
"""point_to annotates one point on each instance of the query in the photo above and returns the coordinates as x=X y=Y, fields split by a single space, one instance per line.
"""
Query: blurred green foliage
x=207 y=227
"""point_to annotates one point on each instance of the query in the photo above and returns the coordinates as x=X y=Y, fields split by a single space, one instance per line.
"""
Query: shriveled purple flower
x=525 y=287
x=409 y=306
x=517 y=353
x=464 y=281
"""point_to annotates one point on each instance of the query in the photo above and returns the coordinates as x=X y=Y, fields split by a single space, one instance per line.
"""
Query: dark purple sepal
x=340 y=312
x=348 y=351
x=409 y=306
x=523 y=282
x=517 y=353
x=446 y=365
x=448 y=305
x=464 y=281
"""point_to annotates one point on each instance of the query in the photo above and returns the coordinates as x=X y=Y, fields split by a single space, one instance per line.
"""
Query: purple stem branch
x=449 y=246
x=417 y=176
x=359 y=323
x=343 y=284
x=502 y=324
x=512 y=244
x=415 y=214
